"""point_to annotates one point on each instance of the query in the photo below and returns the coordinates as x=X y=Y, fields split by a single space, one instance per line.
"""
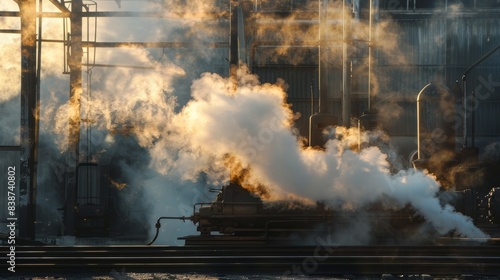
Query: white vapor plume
x=168 y=154
x=124 y=110
x=252 y=124
x=9 y=74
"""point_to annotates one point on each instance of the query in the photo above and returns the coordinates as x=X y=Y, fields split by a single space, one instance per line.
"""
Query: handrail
x=464 y=87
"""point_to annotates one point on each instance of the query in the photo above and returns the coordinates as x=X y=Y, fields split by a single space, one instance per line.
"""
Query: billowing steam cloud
x=252 y=123
x=165 y=154
x=10 y=81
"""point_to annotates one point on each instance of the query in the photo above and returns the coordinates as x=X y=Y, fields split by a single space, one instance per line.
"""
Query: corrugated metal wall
x=440 y=50
x=299 y=80
x=430 y=49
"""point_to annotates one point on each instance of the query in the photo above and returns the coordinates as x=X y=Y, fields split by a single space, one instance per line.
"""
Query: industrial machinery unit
x=238 y=217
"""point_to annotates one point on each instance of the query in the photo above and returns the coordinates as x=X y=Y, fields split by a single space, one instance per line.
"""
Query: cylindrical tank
x=92 y=217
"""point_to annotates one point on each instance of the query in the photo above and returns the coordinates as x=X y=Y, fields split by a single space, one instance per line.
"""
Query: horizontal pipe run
x=193 y=45
x=118 y=66
x=11 y=31
x=123 y=14
x=10 y=148
x=203 y=45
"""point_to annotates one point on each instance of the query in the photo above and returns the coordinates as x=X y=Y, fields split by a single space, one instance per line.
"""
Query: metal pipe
x=119 y=66
x=156 y=44
x=11 y=31
x=370 y=56
x=39 y=54
x=472 y=121
x=464 y=86
x=125 y=14
x=146 y=44
x=322 y=58
x=312 y=98
x=10 y=148
x=158 y=225
x=234 y=62
x=10 y=14
x=208 y=15
x=419 y=155
x=346 y=67
x=359 y=135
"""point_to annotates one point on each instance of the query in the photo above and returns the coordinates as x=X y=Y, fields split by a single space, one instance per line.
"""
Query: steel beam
x=123 y=14
x=214 y=15
x=323 y=58
x=187 y=45
x=61 y=7
x=75 y=77
x=12 y=31
x=10 y=14
x=27 y=187
x=346 y=64
x=10 y=148
x=173 y=45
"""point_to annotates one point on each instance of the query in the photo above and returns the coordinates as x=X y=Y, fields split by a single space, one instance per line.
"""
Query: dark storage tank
x=92 y=201
x=317 y=124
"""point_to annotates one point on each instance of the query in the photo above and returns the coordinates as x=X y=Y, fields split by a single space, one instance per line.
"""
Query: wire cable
x=158 y=225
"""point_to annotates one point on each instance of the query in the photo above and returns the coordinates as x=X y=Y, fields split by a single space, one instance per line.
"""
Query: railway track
x=319 y=260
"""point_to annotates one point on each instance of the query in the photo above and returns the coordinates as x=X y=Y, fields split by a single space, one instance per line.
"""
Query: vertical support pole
x=233 y=40
x=323 y=58
x=464 y=88
x=346 y=64
x=318 y=122
x=75 y=65
x=27 y=187
x=370 y=46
